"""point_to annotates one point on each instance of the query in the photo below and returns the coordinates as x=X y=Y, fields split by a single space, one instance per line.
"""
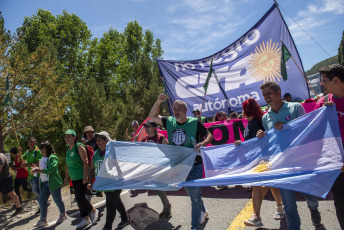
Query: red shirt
x=22 y=172
x=155 y=139
x=339 y=102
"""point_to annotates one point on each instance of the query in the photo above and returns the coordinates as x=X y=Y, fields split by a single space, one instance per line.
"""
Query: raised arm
x=154 y=113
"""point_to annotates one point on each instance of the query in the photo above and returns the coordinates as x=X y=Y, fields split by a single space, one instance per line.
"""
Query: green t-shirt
x=74 y=163
x=97 y=161
x=180 y=134
x=32 y=156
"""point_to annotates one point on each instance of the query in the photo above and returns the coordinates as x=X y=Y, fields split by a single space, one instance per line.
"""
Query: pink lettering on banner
x=309 y=107
x=224 y=132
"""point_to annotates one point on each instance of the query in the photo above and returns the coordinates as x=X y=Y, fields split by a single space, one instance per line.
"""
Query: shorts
x=6 y=185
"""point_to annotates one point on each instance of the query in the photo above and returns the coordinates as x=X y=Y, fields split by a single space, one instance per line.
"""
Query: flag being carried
x=138 y=165
x=305 y=156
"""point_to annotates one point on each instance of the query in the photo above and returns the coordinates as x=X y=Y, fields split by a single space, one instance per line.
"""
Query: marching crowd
x=39 y=164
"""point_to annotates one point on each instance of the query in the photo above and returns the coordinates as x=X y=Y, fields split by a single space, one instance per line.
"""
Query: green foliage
x=341 y=51
x=315 y=68
x=61 y=78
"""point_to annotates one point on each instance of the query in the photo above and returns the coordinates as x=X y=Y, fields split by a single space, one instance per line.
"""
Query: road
x=227 y=209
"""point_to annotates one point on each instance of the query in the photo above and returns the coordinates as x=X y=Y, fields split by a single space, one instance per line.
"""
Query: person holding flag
x=181 y=131
x=332 y=80
x=113 y=198
x=155 y=137
x=280 y=113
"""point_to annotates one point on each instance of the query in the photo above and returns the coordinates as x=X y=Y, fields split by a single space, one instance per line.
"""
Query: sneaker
x=315 y=216
x=123 y=223
x=94 y=216
x=166 y=212
x=18 y=210
x=83 y=223
x=254 y=221
x=61 y=219
x=204 y=215
x=41 y=223
x=279 y=213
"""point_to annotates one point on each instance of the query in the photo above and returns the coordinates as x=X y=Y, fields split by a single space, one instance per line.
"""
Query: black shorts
x=6 y=185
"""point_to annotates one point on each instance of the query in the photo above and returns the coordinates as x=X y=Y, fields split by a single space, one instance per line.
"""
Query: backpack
x=89 y=152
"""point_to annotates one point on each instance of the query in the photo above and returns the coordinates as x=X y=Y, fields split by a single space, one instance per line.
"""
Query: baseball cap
x=70 y=131
x=134 y=122
x=196 y=110
x=150 y=123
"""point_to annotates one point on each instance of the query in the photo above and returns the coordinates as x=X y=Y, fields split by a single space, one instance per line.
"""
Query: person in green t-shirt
x=31 y=158
x=113 y=198
x=181 y=129
x=77 y=170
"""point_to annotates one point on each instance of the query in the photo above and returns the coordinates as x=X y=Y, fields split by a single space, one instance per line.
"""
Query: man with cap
x=197 y=114
x=155 y=137
x=88 y=133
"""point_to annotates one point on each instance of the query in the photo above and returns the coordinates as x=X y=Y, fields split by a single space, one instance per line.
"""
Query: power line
x=303 y=29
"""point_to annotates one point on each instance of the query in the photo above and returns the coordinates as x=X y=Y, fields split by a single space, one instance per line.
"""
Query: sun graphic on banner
x=262 y=166
x=265 y=64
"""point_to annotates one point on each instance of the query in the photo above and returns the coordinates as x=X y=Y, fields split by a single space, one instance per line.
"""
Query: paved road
x=226 y=211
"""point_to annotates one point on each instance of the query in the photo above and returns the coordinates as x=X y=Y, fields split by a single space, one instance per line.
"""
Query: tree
x=341 y=51
x=36 y=90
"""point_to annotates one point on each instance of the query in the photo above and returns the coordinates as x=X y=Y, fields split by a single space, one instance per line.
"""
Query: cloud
x=197 y=25
x=312 y=18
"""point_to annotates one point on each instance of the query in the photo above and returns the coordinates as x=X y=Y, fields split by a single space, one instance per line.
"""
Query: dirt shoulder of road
x=27 y=219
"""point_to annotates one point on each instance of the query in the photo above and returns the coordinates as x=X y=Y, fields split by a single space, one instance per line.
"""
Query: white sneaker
x=94 y=216
x=204 y=215
x=254 y=221
x=83 y=223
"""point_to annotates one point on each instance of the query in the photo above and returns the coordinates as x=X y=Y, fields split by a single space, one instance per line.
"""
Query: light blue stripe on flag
x=138 y=165
x=305 y=156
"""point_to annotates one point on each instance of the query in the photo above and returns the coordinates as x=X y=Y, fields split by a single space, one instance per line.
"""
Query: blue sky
x=193 y=29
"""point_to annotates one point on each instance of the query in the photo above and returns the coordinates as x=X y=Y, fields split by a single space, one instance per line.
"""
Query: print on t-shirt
x=179 y=137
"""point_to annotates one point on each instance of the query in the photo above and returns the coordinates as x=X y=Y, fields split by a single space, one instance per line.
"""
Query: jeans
x=43 y=200
x=113 y=203
x=85 y=206
x=338 y=198
x=34 y=182
x=22 y=182
x=195 y=194
x=290 y=207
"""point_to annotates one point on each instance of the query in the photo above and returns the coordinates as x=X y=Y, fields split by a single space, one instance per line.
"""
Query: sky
x=193 y=29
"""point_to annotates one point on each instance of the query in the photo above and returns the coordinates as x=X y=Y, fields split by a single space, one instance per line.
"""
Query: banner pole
x=304 y=76
x=205 y=93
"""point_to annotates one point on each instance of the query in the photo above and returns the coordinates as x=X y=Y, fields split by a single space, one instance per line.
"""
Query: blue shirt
x=288 y=112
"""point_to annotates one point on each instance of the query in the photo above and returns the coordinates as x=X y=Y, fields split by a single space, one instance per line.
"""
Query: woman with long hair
x=77 y=170
x=50 y=183
x=254 y=114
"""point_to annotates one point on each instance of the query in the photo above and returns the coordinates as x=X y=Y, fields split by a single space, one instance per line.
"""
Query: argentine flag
x=139 y=165
x=305 y=156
